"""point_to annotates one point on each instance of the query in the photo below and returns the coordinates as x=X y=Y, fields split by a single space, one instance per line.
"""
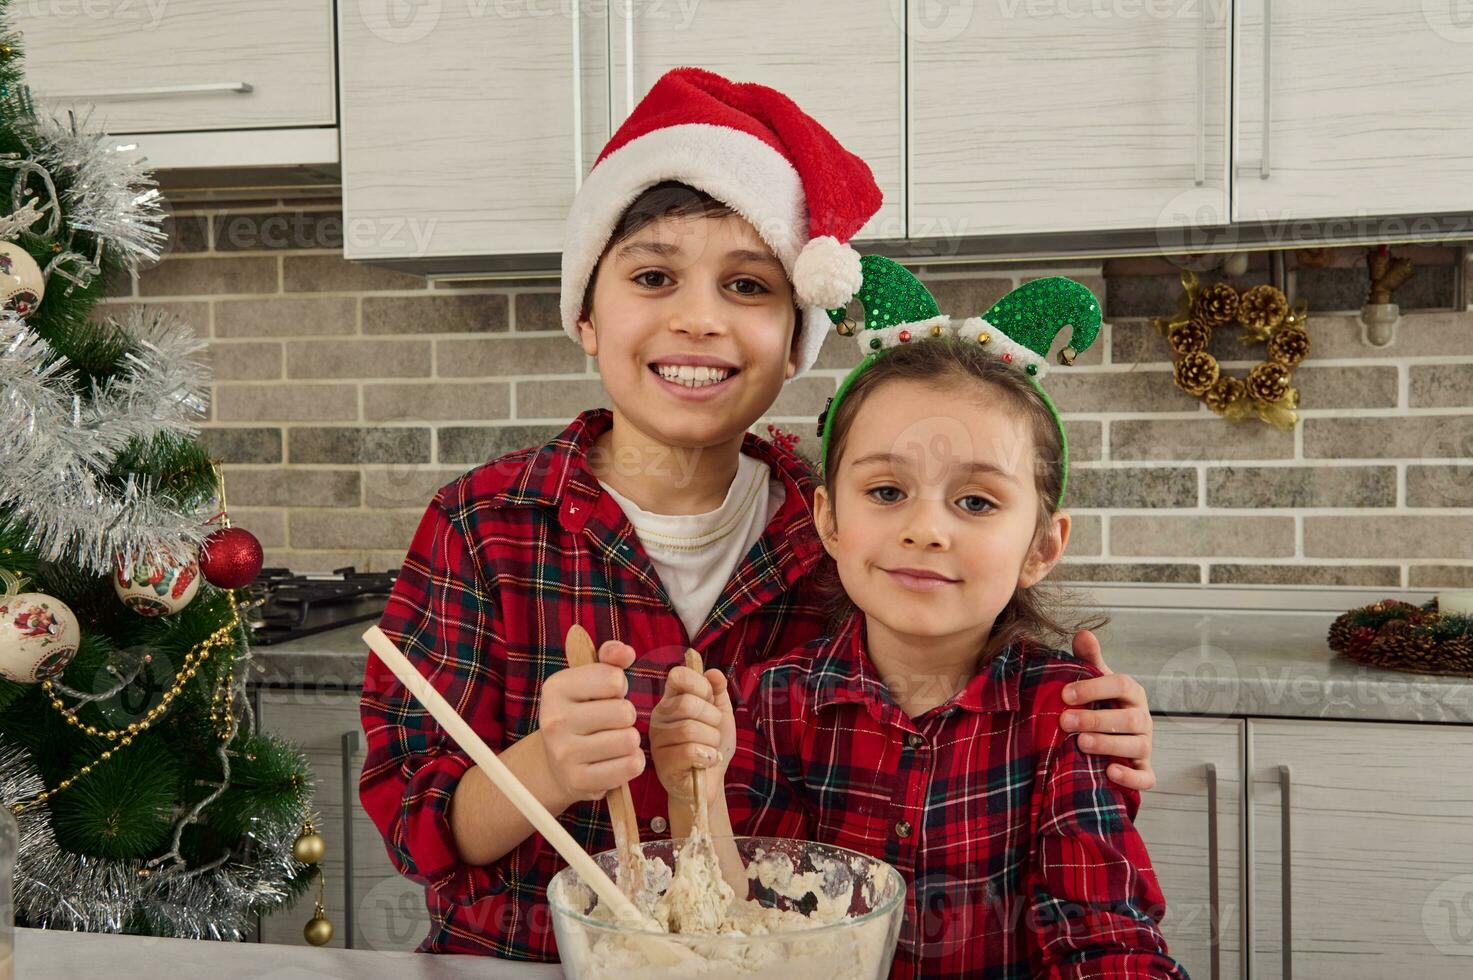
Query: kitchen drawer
x=184 y=65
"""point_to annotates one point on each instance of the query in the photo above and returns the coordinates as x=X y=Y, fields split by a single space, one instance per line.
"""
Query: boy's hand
x=1127 y=728
x=587 y=725
x=693 y=727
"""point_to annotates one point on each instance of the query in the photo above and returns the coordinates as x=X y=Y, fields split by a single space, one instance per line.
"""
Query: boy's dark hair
x=946 y=363
x=668 y=199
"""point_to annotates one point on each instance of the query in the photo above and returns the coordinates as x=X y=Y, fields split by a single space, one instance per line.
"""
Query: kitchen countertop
x=44 y=954
x=1259 y=663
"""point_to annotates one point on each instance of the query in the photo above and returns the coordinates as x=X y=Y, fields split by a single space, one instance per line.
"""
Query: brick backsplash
x=345 y=395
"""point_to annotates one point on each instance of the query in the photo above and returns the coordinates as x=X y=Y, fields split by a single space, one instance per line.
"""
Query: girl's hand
x=587 y=725
x=1126 y=730
x=693 y=727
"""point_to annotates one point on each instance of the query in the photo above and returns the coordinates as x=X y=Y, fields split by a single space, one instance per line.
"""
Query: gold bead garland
x=124 y=736
x=1266 y=317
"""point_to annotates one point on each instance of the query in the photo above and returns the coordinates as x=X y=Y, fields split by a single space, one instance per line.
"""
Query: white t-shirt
x=696 y=554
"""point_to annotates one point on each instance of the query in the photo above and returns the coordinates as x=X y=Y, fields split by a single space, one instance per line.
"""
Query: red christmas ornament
x=905 y=336
x=231 y=558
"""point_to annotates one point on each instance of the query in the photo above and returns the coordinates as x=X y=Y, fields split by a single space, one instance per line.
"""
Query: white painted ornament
x=38 y=637
x=156 y=590
x=22 y=284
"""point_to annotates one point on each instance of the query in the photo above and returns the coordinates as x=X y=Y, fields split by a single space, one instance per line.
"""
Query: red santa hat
x=753 y=149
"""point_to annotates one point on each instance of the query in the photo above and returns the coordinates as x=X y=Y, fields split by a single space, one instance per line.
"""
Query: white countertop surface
x=44 y=954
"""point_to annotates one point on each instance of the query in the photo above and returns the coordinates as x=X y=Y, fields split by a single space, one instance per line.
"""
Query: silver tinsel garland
x=110 y=195
x=58 y=445
x=56 y=889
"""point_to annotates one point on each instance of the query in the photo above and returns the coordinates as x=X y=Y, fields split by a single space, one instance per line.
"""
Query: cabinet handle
x=1268 y=57
x=628 y=57
x=577 y=97
x=153 y=92
x=1213 y=939
x=350 y=746
x=1286 y=877
x=1202 y=98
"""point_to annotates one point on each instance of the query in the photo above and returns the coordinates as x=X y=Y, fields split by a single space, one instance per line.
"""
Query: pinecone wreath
x=1266 y=317
x=1397 y=635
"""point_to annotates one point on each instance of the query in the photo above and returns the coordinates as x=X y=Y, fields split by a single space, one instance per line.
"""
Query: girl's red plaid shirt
x=505 y=560
x=1020 y=853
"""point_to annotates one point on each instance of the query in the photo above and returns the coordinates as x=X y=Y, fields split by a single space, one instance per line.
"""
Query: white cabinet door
x=1070 y=116
x=1367 y=112
x=467 y=126
x=183 y=65
x=1379 y=850
x=840 y=60
x=388 y=909
x=1192 y=825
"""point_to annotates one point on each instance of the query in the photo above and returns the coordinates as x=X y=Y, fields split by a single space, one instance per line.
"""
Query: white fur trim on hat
x=1000 y=343
x=890 y=336
x=734 y=167
x=827 y=273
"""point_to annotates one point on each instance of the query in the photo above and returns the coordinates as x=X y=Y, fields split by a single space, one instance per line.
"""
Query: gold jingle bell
x=318 y=930
x=309 y=847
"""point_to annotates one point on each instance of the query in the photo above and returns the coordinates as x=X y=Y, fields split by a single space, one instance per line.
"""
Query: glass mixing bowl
x=844 y=910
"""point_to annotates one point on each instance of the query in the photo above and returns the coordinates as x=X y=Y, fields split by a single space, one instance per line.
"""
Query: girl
x=702 y=250
x=924 y=731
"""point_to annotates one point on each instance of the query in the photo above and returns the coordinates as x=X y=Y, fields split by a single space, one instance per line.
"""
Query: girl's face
x=692 y=323
x=936 y=508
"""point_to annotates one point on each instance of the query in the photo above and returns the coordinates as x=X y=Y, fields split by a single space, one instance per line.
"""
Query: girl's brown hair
x=1034 y=613
x=667 y=199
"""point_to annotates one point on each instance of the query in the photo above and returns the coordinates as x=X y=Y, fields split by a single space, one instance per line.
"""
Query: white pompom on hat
x=753 y=149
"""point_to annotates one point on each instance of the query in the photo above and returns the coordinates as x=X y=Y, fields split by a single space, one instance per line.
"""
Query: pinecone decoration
x=1457 y=655
x=1223 y=393
x=1216 y=305
x=1288 y=346
x=1340 y=631
x=1195 y=372
x=1268 y=381
x=1188 y=337
x=1262 y=308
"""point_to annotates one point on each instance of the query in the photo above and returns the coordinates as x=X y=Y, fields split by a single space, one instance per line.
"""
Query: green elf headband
x=1020 y=328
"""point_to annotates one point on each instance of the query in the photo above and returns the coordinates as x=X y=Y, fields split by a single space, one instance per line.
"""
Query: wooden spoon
x=697 y=774
x=580 y=650
x=658 y=948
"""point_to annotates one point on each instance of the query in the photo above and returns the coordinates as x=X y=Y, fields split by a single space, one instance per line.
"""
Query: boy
x=698 y=306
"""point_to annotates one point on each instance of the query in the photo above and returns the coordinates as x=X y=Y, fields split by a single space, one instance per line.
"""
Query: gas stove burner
x=286 y=605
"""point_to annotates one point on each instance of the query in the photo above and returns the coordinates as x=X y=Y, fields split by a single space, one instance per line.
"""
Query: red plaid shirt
x=1020 y=854
x=505 y=560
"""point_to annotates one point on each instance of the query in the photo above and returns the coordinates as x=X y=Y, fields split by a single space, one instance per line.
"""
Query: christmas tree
x=145 y=801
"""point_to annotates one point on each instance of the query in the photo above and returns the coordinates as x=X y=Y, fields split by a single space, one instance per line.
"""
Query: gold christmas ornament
x=1267 y=317
x=1185 y=338
x=309 y=846
x=318 y=930
x=1196 y=371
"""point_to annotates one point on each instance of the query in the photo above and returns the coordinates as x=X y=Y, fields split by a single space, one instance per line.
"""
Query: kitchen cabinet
x=842 y=62
x=467 y=127
x=1362 y=849
x=1061 y=117
x=191 y=67
x=1352 y=108
x=380 y=908
x=1192 y=823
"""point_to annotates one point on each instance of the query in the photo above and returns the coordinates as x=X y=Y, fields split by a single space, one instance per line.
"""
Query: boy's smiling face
x=936 y=507
x=693 y=325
